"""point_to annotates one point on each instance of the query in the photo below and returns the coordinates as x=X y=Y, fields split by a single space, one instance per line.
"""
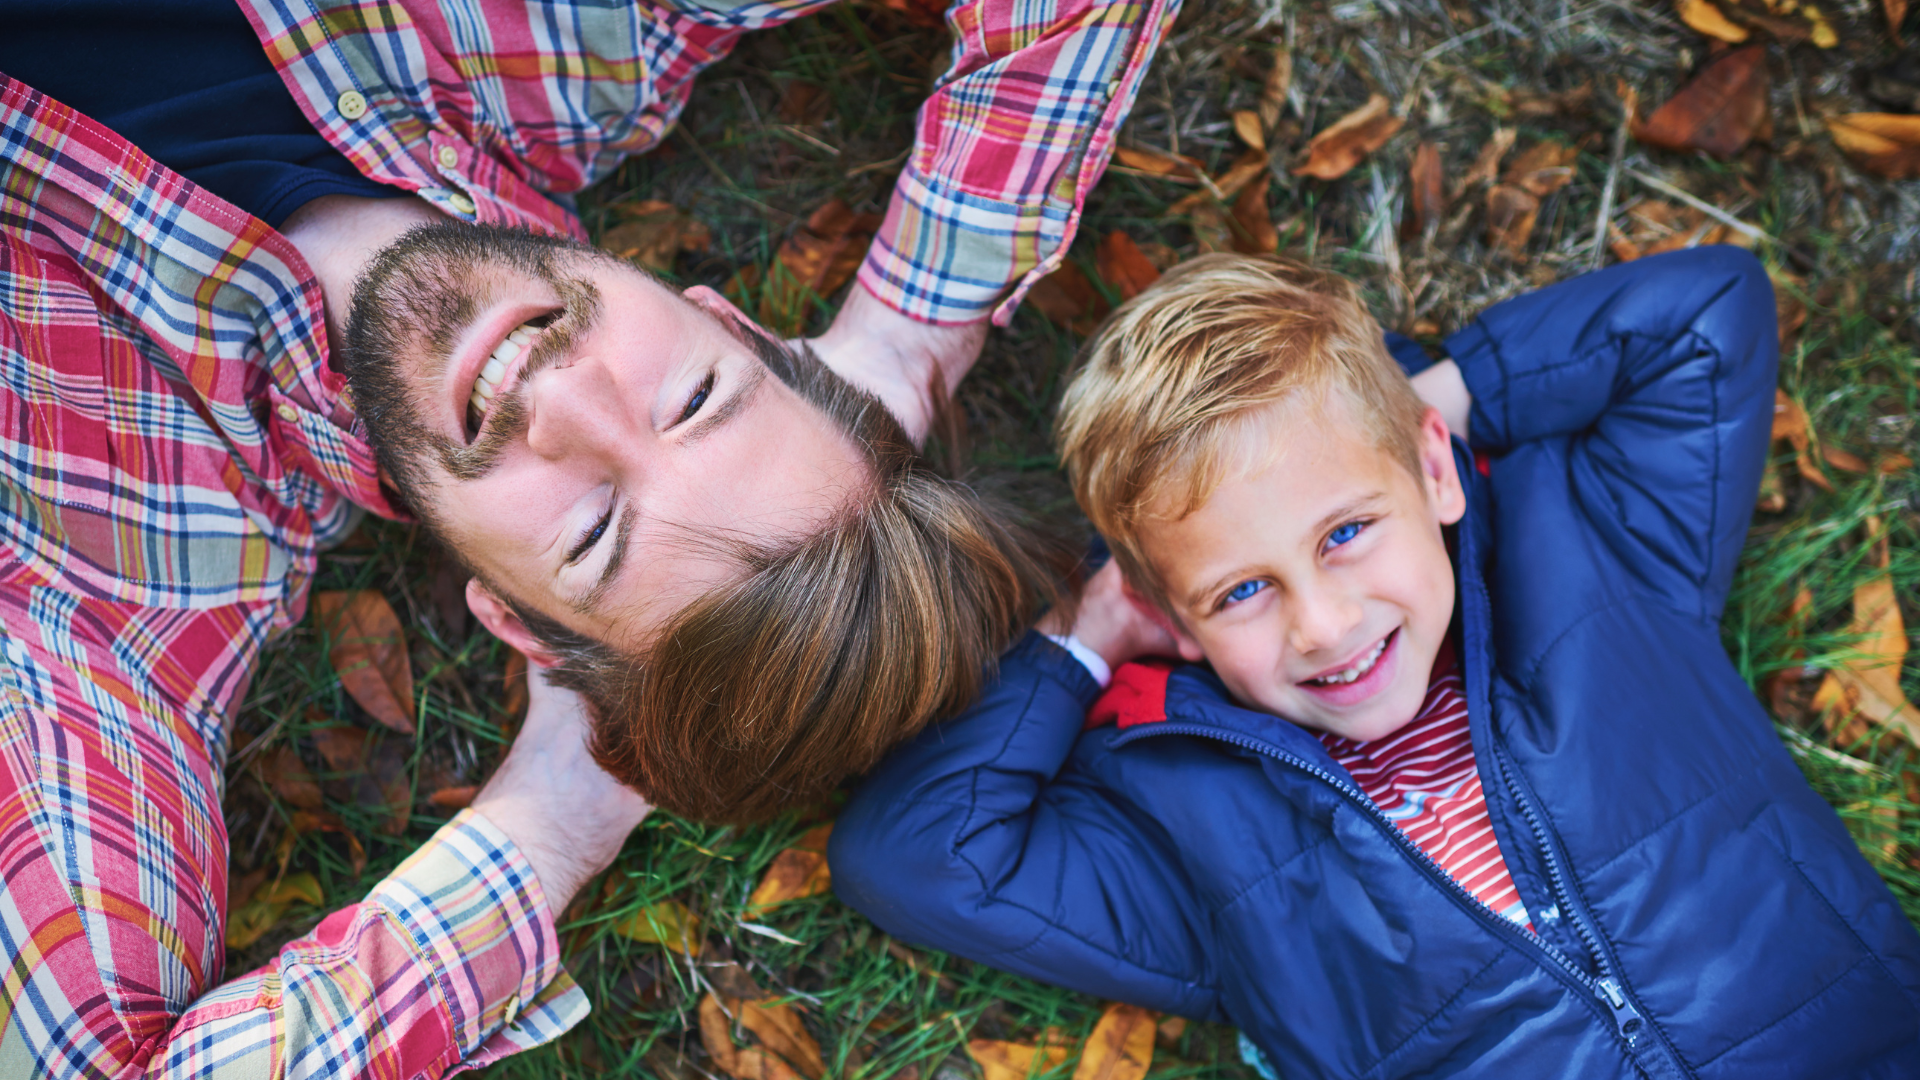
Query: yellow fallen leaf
x=1703 y=16
x=1341 y=145
x=1246 y=124
x=666 y=923
x=779 y=1029
x=777 y=1025
x=1121 y=1046
x=1868 y=685
x=1885 y=144
x=1014 y=1061
x=1823 y=34
x=796 y=873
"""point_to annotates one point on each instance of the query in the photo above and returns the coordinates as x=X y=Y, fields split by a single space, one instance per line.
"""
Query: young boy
x=1456 y=778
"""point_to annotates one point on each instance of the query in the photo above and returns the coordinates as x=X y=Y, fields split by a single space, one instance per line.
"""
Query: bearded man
x=723 y=543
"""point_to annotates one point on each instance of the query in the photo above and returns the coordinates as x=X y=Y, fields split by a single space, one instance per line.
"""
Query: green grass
x=878 y=1009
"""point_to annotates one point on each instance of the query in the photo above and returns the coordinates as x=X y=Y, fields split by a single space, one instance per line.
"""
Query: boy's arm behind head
x=988 y=836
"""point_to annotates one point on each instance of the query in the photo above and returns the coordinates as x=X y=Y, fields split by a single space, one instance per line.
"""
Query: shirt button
x=288 y=413
x=352 y=104
x=449 y=157
x=461 y=203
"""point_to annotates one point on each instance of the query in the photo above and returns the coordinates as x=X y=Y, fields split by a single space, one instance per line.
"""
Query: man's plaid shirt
x=177 y=450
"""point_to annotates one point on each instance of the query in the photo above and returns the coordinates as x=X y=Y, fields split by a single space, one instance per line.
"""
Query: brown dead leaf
x=454 y=798
x=1718 y=111
x=250 y=921
x=795 y=874
x=1338 y=148
x=1123 y=265
x=748 y=1063
x=1704 y=17
x=282 y=771
x=1822 y=33
x=811 y=265
x=1068 y=299
x=1896 y=11
x=926 y=14
x=1526 y=104
x=1167 y=1035
x=1790 y=422
x=369 y=653
x=1884 y=144
x=1210 y=229
x=1543 y=168
x=1014 y=1061
x=1273 y=92
x=803 y=102
x=655 y=233
x=1869 y=684
x=787 y=1051
x=1844 y=461
x=778 y=1027
x=1253 y=231
x=667 y=923
x=1159 y=163
x=1894 y=463
x=1246 y=124
x=1426 y=189
x=1250 y=165
x=1486 y=165
x=1790 y=312
x=1120 y=1047
x=373 y=773
x=1511 y=213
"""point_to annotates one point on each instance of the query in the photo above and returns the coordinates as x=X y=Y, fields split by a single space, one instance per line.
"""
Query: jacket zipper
x=1606 y=989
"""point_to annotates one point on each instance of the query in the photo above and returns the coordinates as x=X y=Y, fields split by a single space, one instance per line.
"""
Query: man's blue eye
x=1343 y=534
x=1245 y=591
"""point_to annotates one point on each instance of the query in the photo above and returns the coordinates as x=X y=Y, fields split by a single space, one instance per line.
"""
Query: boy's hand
x=1442 y=387
x=1114 y=622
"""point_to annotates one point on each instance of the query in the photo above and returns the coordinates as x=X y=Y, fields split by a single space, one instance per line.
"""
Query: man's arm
x=1007 y=147
x=1650 y=385
x=984 y=838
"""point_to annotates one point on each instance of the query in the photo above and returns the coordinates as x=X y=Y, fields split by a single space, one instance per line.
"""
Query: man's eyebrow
x=622 y=538
x=1351 y=507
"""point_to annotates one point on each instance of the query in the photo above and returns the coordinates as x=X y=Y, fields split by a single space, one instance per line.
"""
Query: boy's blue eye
x=1245 y=591
x=1343 y=534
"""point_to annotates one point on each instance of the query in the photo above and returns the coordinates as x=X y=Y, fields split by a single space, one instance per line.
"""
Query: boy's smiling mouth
x=1359 y=680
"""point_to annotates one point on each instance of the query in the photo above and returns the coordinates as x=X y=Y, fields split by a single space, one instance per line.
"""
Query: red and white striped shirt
x=1423 y=777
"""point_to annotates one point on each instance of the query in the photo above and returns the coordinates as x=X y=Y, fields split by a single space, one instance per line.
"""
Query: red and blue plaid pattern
x=175 y=450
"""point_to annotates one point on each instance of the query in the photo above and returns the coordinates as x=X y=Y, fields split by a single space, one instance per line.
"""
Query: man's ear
x=502 y=623
x=1437 y=473
x=719 y=306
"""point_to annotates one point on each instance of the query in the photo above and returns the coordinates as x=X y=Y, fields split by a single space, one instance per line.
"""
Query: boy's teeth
x=1365 y=665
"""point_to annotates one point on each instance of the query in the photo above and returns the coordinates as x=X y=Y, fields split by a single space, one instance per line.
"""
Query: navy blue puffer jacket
x=1700 y=912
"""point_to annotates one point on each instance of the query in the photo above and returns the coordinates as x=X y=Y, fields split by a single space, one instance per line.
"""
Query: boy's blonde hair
x=1170 y=394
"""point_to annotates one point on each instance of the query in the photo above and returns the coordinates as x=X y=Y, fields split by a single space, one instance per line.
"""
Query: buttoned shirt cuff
x=478 y=919
x=947 y=256
x=1095 y=664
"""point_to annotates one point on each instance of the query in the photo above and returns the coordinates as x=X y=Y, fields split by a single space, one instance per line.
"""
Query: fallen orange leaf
x=1338 y=148
x=1704 y=17
x=787 y=1051
x=1869 y=684
x=1273 y=92
x=795 y=874
x=1121 y=1046
x=1790 y=423
x=454 y=798
x=1543 y=168
x=369 y=652
x=1885 y=144
x=741 y=1063
x=1895 y=463
x=1014 y=1061
x=1253 y=231
x=777 y=1025
x=1718 y=111
x=1242 y=172
x=1068 y=299
x=1246 y=124
x=1486 y=164
x=1511 y=213
x=1426 y=188
x=655 y=233
x=1167 y=1035
x=1896 y=14
x=1123 y=265
x=927 y=14
x=1844 y=461
x=1159 y=163
x=373 y=773
x=287 y=777
x=811 y=265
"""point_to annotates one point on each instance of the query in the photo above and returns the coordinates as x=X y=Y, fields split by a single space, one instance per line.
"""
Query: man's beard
x=415 y=299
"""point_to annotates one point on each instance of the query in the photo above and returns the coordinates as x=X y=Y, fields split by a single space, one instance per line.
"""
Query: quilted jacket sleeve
x=982 y=837
x=1658 y=377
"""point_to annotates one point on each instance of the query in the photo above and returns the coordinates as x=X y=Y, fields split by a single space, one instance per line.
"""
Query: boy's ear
x=1437 y=473
x=502 y=623
x=1183 y=642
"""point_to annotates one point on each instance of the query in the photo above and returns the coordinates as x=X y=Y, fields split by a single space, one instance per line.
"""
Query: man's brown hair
x=1173 y=391
x=824 y=650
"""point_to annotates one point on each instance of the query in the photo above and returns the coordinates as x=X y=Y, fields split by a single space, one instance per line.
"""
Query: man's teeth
x=1365 y=665
x=487 y=384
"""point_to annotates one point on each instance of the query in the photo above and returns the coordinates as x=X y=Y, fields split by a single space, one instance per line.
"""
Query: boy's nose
x=1323 y=620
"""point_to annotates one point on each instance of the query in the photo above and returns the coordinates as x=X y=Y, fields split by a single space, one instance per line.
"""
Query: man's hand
x=898 y=359
x=1115 y=622
x=1442 y=387
x=563 y=811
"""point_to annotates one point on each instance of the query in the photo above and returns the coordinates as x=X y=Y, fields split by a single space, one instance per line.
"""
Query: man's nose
x=574 y=407
x=1324 y=617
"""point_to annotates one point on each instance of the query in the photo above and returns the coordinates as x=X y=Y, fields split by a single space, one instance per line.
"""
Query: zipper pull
x=1625 y=1016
